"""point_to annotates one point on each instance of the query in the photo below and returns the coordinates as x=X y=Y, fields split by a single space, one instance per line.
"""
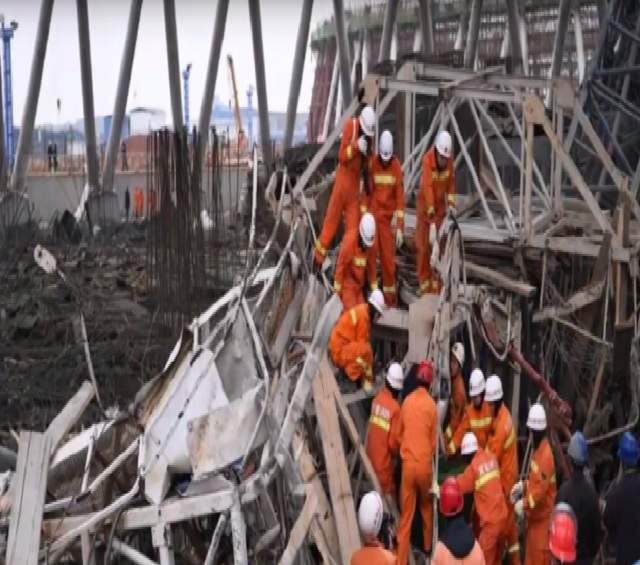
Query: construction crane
x=236 y=102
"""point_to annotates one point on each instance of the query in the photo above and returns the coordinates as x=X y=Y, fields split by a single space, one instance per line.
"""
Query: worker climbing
x=370 y=515
x=477 y=415
x=458 y=398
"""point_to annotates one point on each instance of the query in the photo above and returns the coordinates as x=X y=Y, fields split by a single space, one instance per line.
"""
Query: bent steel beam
x=173 y=62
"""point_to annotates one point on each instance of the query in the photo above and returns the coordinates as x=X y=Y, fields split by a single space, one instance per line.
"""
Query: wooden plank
x=496 y=278
x=299 y=531
x=584 y=297
x=28 y=491
x=344 y=509
x=70 y=414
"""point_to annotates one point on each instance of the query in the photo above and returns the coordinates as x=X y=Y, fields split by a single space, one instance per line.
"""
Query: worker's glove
x=518 y=508
x=362 y=144
x=399 y=238
x=435 y=488
x=516 y=492
x=435 y=255
x=433 y=234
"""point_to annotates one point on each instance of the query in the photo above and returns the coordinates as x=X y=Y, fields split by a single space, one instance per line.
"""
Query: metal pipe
x=173 y=62
x=343 y=51
x=130 y=553
x=3 y=153
x=513 y=19
x=212 y=73
x=238 y=529
x=580 y=56
x=333 y=91
x=463 y=26
x=426 y=26
x=524 y=42
x=390 y=14
x=296 y=74
x=261 y=82
x=33 y=94
x=122 y=93
x=564 y=11
x=215 y=539
x=472 y=39
x=91 y=148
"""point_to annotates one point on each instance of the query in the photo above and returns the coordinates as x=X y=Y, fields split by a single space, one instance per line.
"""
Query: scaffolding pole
x=173 y=62
x=425 y=8
x=343 y=51
x=3 y=152
x=564 y=11
x=390 y=14
x=472 y=39
x=513 y=20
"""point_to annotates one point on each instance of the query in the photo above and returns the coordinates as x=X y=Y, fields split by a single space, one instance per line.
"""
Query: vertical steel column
x=122 y=92
x=173 y=62
x=390 y=14
x=212 y=73
x=343 y=51
x=333 y=91
x=564 y=11
x=425 y=8
x=296 y=75
x=261 y=81
x=472 y=39
x=93 y=169
x=577 y=30
x=513 y=18
x=602 y=12
x=3 y=153
x=33 y=93
x=524 y=40
x=461 y=36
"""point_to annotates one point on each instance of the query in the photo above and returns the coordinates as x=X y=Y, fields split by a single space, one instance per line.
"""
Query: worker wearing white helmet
x=383 y=439
x=386 y=203
x=370 y=517
x=437 y=195
x=356 y=263
x=355 y=148
x=458 y=399
x=477 y=415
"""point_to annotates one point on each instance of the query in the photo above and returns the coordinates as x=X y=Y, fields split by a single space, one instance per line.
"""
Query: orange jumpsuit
x=503 y=444
x=345 y=194
x=457 y=402
x=418 y=432
x=382 y=438
x=373 y=554
x=437 y=191
x=482 y=478
x=539 y=498
x=349 y=343
x=387 y=199
x=477 y=421
x=354 y=266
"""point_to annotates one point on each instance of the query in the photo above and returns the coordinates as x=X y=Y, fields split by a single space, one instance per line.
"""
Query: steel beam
x=296 y=74
x=122 y=93
x=173 y=62
x=333 y=88
x=261 y=81
x=463 y=26
x=564 y=11
x=343 y=51
x=472 y=39
x=513 y=20
x=212 y=73
x=390 y=14
x=91 y=148
x=3 y=152
x=33 y=94
x=426 y=26
x=579 y=36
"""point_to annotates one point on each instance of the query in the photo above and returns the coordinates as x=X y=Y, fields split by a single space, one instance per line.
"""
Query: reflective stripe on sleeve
x=509 y=441
x=389 y=289
x=515 y=548
x=380 y=422
x=448 y=432
x=532 y=503
x=354 y=316
x=484 y=479
x=320 y=248
x=349 y=152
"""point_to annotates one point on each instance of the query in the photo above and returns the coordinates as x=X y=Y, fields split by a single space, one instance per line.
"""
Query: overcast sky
x=108 y=22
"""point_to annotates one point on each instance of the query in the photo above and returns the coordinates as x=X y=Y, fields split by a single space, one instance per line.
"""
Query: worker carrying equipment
x=580 y=495
x=477 y=415
x=563 y=534
x=482 y=478
x=458 y=398
x=504 y=446
x=356 y=262
x=535 y=497
x=386 y=203
x=349 y=344
x=437 y=195
x=346 y=193
x=418 y=433
x=370 y=515
x=457 y=544
x=382 y=432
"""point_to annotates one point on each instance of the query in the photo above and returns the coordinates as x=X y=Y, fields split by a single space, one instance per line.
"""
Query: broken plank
x=496 y=278
x=584 y=297
x=70 y=414
x=299 y=531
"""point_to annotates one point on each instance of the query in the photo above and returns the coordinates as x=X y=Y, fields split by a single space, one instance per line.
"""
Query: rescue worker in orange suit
x=458 y=399
x=386 y=203
x=563 y=534
x=382 y=432
x=356 y=263
x=349 y=343
x=370 y=515
x=535 y=497
x=477 y=415
x=418 y=433
x=437 y=195
x=482 y=478
x=356 y=142
x=456 y=544
x=503 y=444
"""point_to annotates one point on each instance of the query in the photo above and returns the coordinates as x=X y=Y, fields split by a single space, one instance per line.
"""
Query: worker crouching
x=370 y=516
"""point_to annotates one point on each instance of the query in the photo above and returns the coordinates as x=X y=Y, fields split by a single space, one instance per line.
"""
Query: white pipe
x=130 y=553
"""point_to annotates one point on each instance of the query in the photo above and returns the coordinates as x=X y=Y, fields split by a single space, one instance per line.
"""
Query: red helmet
x=425 y=372
x=563 y=534
x=451 y=501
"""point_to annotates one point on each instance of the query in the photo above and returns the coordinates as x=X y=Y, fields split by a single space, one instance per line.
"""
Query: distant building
x=143 y=121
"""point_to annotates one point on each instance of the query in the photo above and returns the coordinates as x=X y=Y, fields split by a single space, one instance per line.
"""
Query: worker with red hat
x=563 y=534
x=437 y=195
x=456 y=544
x=482 y=478
x=418 y=434
x=458 y=399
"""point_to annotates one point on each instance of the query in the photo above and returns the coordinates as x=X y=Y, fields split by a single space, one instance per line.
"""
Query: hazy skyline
x=149 y=81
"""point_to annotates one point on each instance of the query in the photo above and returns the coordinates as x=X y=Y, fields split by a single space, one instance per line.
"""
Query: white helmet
x=476 y=383
x=458 y=352
x=469 y=444
x=493 y=389
x=367 y=120
x=443 y=144
x=537 y=419
x=368 y=229
x=370 y=514
x=395 y=376
x=376 y=299
x=385 y=146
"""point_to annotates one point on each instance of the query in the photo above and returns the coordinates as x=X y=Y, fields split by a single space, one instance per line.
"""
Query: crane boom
x=236 y=102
